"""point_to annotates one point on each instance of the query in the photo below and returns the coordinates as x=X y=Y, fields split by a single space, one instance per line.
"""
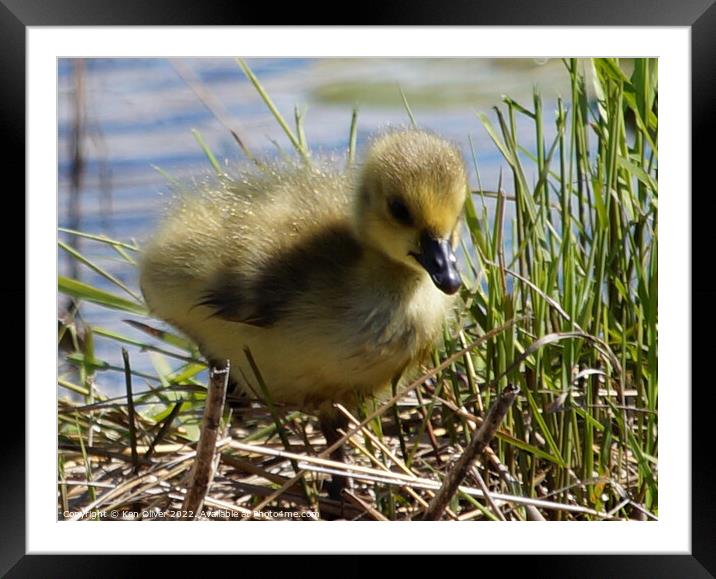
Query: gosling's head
x=411 y=192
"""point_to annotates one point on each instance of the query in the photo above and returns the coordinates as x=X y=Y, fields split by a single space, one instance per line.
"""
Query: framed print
x=277 y=298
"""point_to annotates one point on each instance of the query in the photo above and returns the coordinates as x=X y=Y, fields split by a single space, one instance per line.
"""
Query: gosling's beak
x=438 y=259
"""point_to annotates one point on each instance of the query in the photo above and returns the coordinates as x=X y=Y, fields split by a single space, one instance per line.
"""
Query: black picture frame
x=699 y=15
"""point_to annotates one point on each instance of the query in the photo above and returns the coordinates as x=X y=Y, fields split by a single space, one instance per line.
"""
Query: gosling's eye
x=399 y=211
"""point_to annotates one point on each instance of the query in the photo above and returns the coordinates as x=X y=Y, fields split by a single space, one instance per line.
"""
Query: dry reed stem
x=397 y=461
x=203 y=469
x=365 y=506
x=490 y=501
x=479 y=441
x=357 y=472
x=130 y=411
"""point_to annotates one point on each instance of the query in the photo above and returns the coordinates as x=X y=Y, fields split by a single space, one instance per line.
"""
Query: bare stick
x=163 y=430
x=479 y=441
x=130 y=410
x=365 y=506
x=531 y=511
x=473 y=422
x=203 y=470
x=483 y=487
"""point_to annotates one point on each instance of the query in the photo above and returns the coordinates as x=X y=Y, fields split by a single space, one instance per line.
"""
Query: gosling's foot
x=331 y=424
x=337 y=485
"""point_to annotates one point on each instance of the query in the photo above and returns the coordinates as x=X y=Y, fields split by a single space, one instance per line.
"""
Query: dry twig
x=203 y=470
x=479 y=441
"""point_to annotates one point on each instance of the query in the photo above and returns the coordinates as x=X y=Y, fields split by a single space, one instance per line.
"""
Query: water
x=139 y=114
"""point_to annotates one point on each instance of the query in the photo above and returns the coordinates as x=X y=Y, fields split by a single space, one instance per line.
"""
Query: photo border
x=699 y=15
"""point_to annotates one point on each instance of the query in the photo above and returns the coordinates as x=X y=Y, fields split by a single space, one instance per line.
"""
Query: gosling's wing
x=231 y=298
x=309 y=271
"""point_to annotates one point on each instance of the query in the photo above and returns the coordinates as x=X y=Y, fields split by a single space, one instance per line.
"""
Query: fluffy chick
x=336 y=282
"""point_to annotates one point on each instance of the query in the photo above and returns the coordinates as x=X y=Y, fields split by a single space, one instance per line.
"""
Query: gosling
x=337 y=282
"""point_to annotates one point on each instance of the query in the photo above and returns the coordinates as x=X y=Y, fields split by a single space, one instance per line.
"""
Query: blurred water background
x=120 y=120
